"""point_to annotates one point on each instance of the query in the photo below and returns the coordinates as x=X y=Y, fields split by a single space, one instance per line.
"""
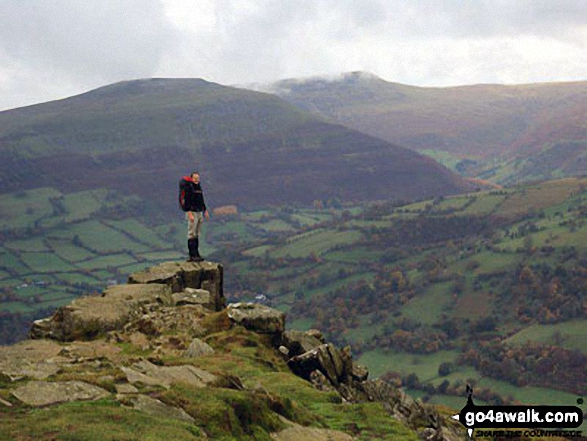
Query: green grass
x=65 y=249
x=103 y=239
x=484 y=204
x=425 y=366
x=353 y=255
x=491 y=262
x=339 y=283
x=371 y=419
x=52 y=296
x=257 y=251
x=16 y=307
x=22 y=209
x=310 y=218
x=570 y=335
x=35 y=244
x=529 y=395
x=275 y=225
x=302 y=324
x=81 y=205
x=427 y=308
x=454 y=203
x=365 y=331
x=13 y=262
x=93 y=421
x=140 y=232
x=112 y=260
x=316 y=243
x=76 y=278
x=46 y=262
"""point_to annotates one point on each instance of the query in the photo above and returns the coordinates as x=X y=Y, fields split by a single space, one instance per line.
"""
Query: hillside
x=504 y=133
x=163 y=357
x=427 y=294
x=486 y=288
x=253 y=149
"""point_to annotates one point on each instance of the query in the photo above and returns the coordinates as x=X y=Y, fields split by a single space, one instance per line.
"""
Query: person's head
x=195 y=177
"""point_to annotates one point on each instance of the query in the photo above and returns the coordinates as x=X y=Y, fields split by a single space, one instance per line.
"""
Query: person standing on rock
x=191 y=200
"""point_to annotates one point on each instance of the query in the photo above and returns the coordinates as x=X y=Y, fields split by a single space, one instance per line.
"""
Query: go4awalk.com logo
x=527 y=421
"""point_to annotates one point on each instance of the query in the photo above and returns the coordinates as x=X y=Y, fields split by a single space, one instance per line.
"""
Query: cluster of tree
x=531 y=364
x=422 y=340
x=429 y=230
x=549 y=293
x=339 y=309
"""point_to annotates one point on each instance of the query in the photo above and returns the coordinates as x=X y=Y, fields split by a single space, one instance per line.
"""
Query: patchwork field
x=440 y=271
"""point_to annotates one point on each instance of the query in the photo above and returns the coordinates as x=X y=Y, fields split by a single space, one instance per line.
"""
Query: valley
x=431 y=294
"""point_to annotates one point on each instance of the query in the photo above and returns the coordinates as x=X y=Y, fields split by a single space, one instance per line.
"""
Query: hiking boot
x=196 y=252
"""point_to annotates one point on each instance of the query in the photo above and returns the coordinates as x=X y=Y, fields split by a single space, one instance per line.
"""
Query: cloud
x=52 y=49
x=70 y=44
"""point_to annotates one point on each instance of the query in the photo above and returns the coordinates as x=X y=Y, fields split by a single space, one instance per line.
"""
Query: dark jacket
x=192 y=194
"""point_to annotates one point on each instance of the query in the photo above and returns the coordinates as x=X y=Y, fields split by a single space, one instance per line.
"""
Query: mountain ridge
x=486 y=127
x=150 y=129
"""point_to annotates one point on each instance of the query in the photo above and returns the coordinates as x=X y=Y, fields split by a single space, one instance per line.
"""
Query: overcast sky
x=52 y=49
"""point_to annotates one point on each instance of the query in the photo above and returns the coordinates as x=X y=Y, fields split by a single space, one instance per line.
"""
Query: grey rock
x=359 y=372
x=159 y=409
x=36 y=359
x=325 y=358
x=148 y=373
x=299 y=342
x=41 y=393
x=320 y=382
x=144 y=294
x=182 y=275
x=257 y=318
x=198 y=348
x=192 y=296
x=126 y=388
x=89 y=317
x=316 y=334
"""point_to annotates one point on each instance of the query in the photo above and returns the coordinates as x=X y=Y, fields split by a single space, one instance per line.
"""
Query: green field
x=294 y=255
x=65 y=249
x=46 y=262
x=21 y=209
x=317 y=243
x=570 y=335
x=429 y=307
x=425 y=366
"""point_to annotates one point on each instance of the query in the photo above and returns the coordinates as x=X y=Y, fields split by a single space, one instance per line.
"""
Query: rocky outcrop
x=175 y=313
x=29 y=359
x=257 y=318
x=141 y=303
x=331 y=369
x=190 y=296
x=89 y=317
x=181 y=275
